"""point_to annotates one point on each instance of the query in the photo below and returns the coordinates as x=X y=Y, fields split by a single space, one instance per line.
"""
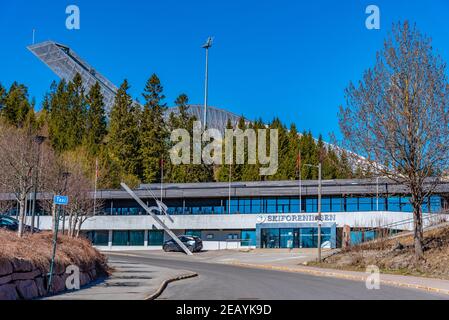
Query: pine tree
x=2 y=97
x=153 y=133
x=123 y=138
x=56 y=103
x=225 y=170
x=96 y=128
x=77 y=112
x=16 y=105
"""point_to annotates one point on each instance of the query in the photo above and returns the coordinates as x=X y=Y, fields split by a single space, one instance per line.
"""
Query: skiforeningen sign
x=290 y=218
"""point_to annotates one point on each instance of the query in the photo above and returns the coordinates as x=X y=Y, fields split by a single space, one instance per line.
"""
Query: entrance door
x=287 y=238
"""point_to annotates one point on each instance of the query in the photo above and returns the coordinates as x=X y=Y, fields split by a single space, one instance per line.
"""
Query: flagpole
x=300 y=181
x=96 y=182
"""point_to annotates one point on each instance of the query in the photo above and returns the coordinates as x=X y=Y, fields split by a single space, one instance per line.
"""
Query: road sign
x=61 y=200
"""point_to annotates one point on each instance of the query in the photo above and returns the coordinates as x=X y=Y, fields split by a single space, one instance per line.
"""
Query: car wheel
x=191 y=248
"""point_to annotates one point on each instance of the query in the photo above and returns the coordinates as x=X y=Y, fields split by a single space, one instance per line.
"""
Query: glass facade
x=98 y=238
x=291 y=238
x=287 y=205
x=155 y=238
x=128 y=238
x=249 y=238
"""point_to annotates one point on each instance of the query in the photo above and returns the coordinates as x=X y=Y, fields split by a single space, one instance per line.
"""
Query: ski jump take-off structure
x=65 y=63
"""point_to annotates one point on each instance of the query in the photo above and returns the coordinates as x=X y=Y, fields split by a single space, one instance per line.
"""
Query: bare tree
x=398 y=117
x=82 y=205
x=18 y=162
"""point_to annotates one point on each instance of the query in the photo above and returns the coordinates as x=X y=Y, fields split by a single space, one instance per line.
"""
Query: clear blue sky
x=291 y=59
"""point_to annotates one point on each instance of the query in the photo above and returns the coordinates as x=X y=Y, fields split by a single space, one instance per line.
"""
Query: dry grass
x=397 y=256
x=37 y=248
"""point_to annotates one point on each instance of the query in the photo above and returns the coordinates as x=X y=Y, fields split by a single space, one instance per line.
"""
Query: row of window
x=295 y=205
x=126 y=238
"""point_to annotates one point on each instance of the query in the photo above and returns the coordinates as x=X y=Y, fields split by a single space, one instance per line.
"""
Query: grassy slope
x=391 y=258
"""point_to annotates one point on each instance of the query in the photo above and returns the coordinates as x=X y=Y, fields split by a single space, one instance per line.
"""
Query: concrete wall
x=231 y=222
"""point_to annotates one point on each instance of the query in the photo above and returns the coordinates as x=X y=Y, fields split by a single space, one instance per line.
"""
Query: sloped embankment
x=25 y=264
x=397 y=256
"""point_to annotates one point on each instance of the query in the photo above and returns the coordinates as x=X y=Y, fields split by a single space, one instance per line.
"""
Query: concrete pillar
x=146 y=238
x=110 y=239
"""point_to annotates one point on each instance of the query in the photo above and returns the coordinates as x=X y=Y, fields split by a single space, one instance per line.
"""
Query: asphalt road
x=225 y=282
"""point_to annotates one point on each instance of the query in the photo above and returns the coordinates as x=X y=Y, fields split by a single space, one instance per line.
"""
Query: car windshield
x=6 y=218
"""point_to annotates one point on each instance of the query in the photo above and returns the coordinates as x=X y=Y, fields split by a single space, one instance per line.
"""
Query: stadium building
x=254 y=214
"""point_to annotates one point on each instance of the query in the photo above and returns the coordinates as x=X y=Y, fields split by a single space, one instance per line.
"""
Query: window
x=195 y=233
x=352 y=204
x=120 y=238
x=210 y=236
x=155 y=237
x=312 y=205
x=337 y=205
x=325 y=205
x=99 y=238
x=270 y=238
x=248 y=238
x=271 y=206
x=128 y=238
x=283 y=205
x=136 y=238
x=365 y=204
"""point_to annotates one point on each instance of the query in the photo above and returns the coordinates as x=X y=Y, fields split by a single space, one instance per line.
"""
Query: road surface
x=226 y=282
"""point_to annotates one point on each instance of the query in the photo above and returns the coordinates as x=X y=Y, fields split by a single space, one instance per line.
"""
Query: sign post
x=58 y=201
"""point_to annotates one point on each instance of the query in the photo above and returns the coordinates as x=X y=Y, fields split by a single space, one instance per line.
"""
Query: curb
x=165 y=283
x=341 y=276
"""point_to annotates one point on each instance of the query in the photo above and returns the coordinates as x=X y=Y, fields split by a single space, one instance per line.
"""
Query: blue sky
x=291 y=59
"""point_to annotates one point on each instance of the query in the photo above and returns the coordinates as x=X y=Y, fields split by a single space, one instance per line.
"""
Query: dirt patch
x=397 y=256
x=37 y=249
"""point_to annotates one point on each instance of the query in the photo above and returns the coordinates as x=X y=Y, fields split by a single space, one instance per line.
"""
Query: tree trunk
x=21 y=217
x=418 y=232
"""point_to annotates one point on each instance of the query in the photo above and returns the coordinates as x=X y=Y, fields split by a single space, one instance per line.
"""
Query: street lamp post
x=206 y=46
x=39 y=140
x=320 y=220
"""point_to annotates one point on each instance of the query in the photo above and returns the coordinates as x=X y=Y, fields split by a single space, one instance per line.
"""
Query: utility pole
x=320 y=220
x=206 y=46
x=95 y=187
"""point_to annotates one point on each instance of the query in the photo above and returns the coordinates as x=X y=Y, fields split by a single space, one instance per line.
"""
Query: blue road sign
x=61 y=200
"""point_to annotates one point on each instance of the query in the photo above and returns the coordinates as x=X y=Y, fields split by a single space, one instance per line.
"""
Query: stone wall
x=21 y=280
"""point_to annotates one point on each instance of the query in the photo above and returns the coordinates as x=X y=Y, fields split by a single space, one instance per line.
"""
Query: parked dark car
x=11 y=224
x=194 y=244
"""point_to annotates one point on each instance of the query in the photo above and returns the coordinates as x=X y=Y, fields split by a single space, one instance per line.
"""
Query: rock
x=84 y=279
x=93 y=274
x=26 y=275
x=21 y=265
x=58 y=284
x=398 y=247
x=8 y=292
x=5 y=279
x=27 y=289
x=5 y=267
x=41 y=286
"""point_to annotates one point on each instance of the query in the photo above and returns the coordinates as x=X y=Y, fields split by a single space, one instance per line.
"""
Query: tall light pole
x=320 y=219
x=206 y=46
x=39 y=140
